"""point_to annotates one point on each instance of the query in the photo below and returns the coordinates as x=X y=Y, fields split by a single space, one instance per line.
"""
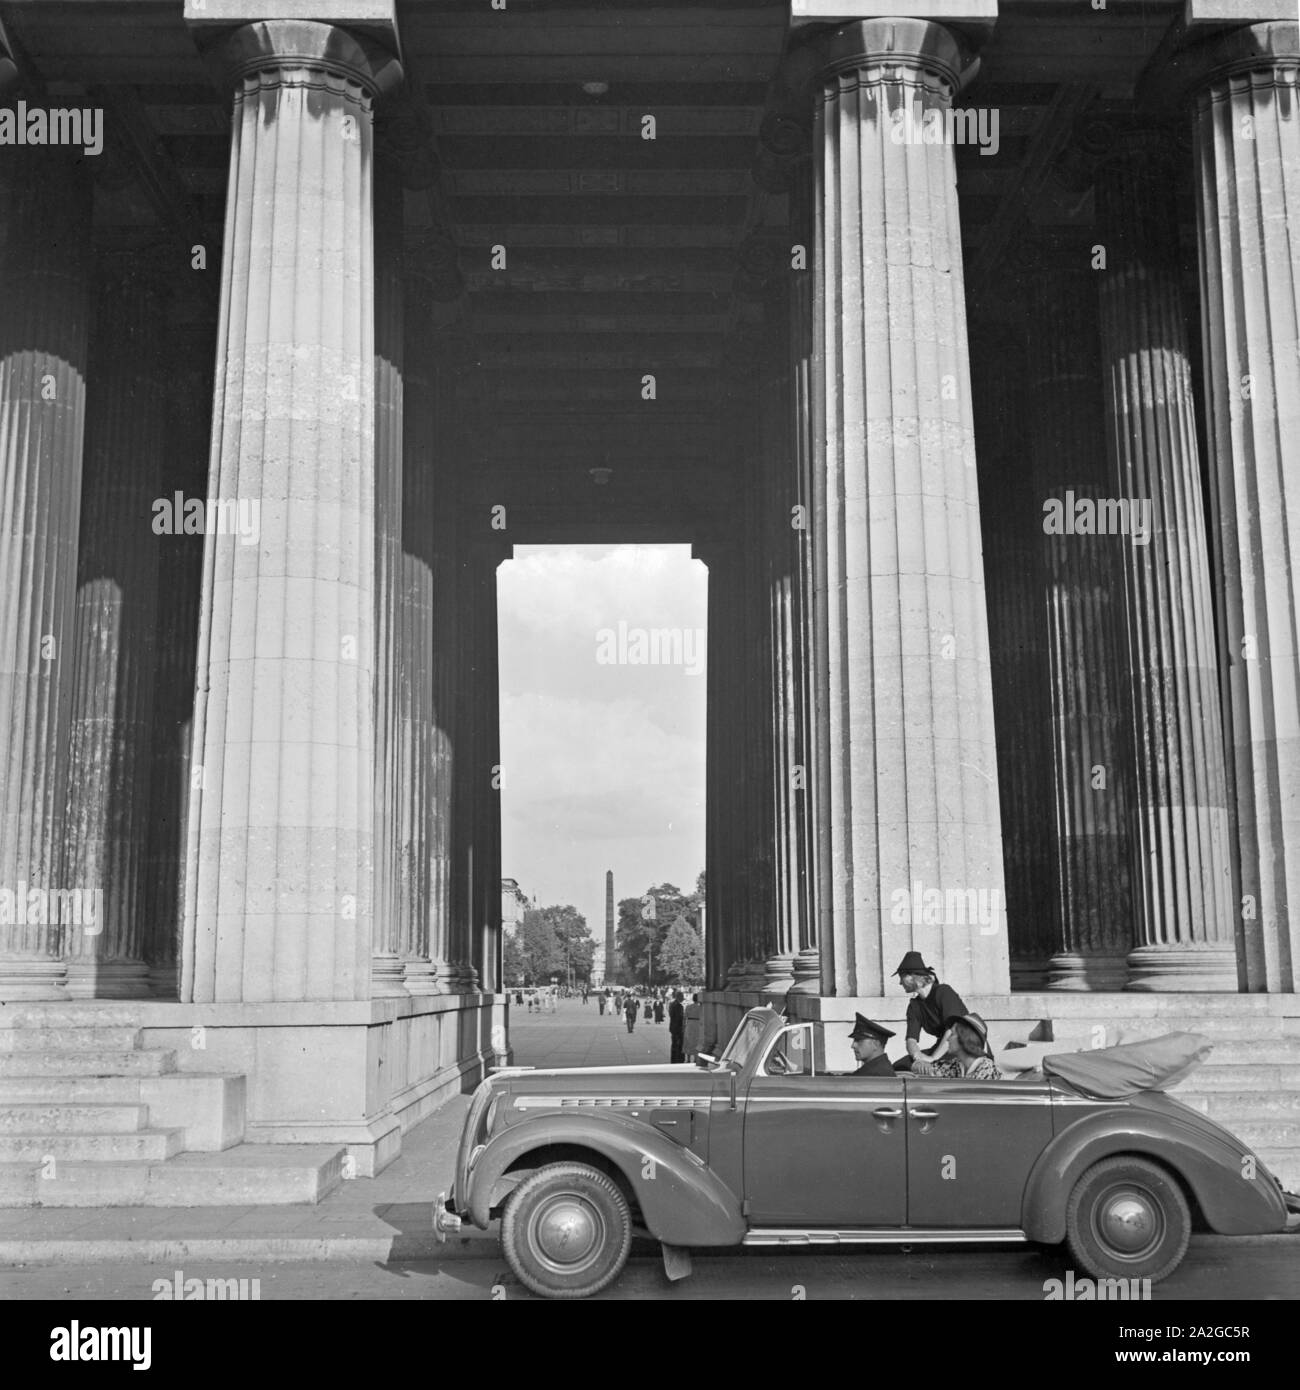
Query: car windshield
x=744 y=1040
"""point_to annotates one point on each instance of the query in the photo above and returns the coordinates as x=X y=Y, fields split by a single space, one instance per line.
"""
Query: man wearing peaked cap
x=868 y=1041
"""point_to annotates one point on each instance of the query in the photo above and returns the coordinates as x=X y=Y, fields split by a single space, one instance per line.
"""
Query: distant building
x=514 y=902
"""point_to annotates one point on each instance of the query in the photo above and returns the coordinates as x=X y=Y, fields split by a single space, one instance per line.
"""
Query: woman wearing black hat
x=931 y=1009
x=969 y=1058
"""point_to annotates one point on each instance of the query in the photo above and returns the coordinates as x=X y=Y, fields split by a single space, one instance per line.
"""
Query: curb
x=261 y=1249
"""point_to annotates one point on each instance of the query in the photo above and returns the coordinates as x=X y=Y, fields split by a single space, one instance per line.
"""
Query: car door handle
x=887 y=1113
x=924 y=1114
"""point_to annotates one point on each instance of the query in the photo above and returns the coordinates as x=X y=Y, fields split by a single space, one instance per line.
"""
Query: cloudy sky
x=603 y=763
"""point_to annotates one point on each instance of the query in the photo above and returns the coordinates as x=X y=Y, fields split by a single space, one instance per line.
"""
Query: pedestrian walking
x=600 y=1003
x=691 y=1030
x=659 y=1009
x=630 y=1010
x=676 y=1028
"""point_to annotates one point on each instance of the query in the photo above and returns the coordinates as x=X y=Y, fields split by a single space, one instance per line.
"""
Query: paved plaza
x=578 y=1035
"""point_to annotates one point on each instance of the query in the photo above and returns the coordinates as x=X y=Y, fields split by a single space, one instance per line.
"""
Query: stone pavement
x=384 y=1218
x=577 y=1035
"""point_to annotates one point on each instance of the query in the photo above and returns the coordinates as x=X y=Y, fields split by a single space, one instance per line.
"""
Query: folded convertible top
x=1110 y=1073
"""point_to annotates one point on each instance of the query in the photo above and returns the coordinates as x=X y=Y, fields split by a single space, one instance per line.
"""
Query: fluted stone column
x=112 y=732
x=779 y=574
x=913 y=796
x=723 y=946
x=470 y=772
x=1013 y=567
x=1092 y=759
x=810 y=704
x=280 y=858
x=44 y=320
x=1247 y=137
x=190 y=344
x=422 y=743
x=487 y=697
x=387 y=966
x=1185 y=922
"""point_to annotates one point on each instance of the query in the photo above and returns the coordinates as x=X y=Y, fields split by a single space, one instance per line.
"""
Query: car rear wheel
x=567 y=1231
x=1128 y=1219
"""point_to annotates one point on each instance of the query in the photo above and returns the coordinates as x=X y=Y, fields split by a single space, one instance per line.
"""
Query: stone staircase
x=1250 y=1083
x=88 y=1118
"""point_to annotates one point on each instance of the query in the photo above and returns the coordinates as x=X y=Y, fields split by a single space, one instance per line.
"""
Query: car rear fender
x=681 y=1200
x=1209 y=1164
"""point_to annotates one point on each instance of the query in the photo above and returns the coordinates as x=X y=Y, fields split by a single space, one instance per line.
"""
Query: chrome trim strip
x=913 y=1099
x=611 y=1102
x=897 y=1235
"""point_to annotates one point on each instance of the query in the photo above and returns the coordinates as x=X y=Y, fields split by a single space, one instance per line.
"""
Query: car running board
x=893 y=1235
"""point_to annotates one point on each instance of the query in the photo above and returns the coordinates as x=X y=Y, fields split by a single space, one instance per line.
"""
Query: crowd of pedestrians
x=626 y=1005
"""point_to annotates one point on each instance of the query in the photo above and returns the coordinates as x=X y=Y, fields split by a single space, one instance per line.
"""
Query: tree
x=513 y=965
x=681 y=955
x=554 y=940
x=636 y=937
x=539 y=946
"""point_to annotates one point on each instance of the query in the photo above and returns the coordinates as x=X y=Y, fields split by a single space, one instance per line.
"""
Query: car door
x=822 y=1150
x=970 y=1146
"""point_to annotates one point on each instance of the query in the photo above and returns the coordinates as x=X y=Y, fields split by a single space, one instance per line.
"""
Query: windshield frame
x=747 y=1038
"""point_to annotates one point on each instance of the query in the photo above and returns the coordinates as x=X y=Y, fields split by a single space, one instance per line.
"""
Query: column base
x=35 y=978
x=778 y=974
x=1029 y=974
x=164 y=982
x=108 y=979
x=420 y=977
x=807 y=973
x=386 y=972
x=1075 y=970
x=1207 y=969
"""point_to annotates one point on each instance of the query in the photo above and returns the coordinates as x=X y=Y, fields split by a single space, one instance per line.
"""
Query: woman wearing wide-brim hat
x=969 y=1058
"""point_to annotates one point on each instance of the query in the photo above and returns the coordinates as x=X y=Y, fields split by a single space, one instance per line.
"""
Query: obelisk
x=610 y=950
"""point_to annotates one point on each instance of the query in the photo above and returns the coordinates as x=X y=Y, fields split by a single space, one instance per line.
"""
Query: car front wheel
x=1128 y=1219
x=567 y=1231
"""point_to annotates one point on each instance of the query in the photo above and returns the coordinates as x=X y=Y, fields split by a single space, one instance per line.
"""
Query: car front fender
x=682 y=1200
x=1208 y=1160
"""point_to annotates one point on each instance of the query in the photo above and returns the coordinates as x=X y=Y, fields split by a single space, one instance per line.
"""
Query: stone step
x=247 y=1175
x=1239 y=1076
x=14 y=1040
x=1134 y=1030
x=1228 y=1106
x=69 y=1014
x=103 y=1062
x=1266 y=1051
x=148 y=1144
x=208 y=1107
x=1284 y=1164
x=1168 y=1009
x=1272 y=1134
x=72 y=1119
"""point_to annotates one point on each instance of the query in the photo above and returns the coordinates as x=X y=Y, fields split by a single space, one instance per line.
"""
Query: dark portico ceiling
x=622 y=254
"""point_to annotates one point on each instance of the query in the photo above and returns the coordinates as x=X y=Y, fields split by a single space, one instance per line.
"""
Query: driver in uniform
x=869 y=1041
